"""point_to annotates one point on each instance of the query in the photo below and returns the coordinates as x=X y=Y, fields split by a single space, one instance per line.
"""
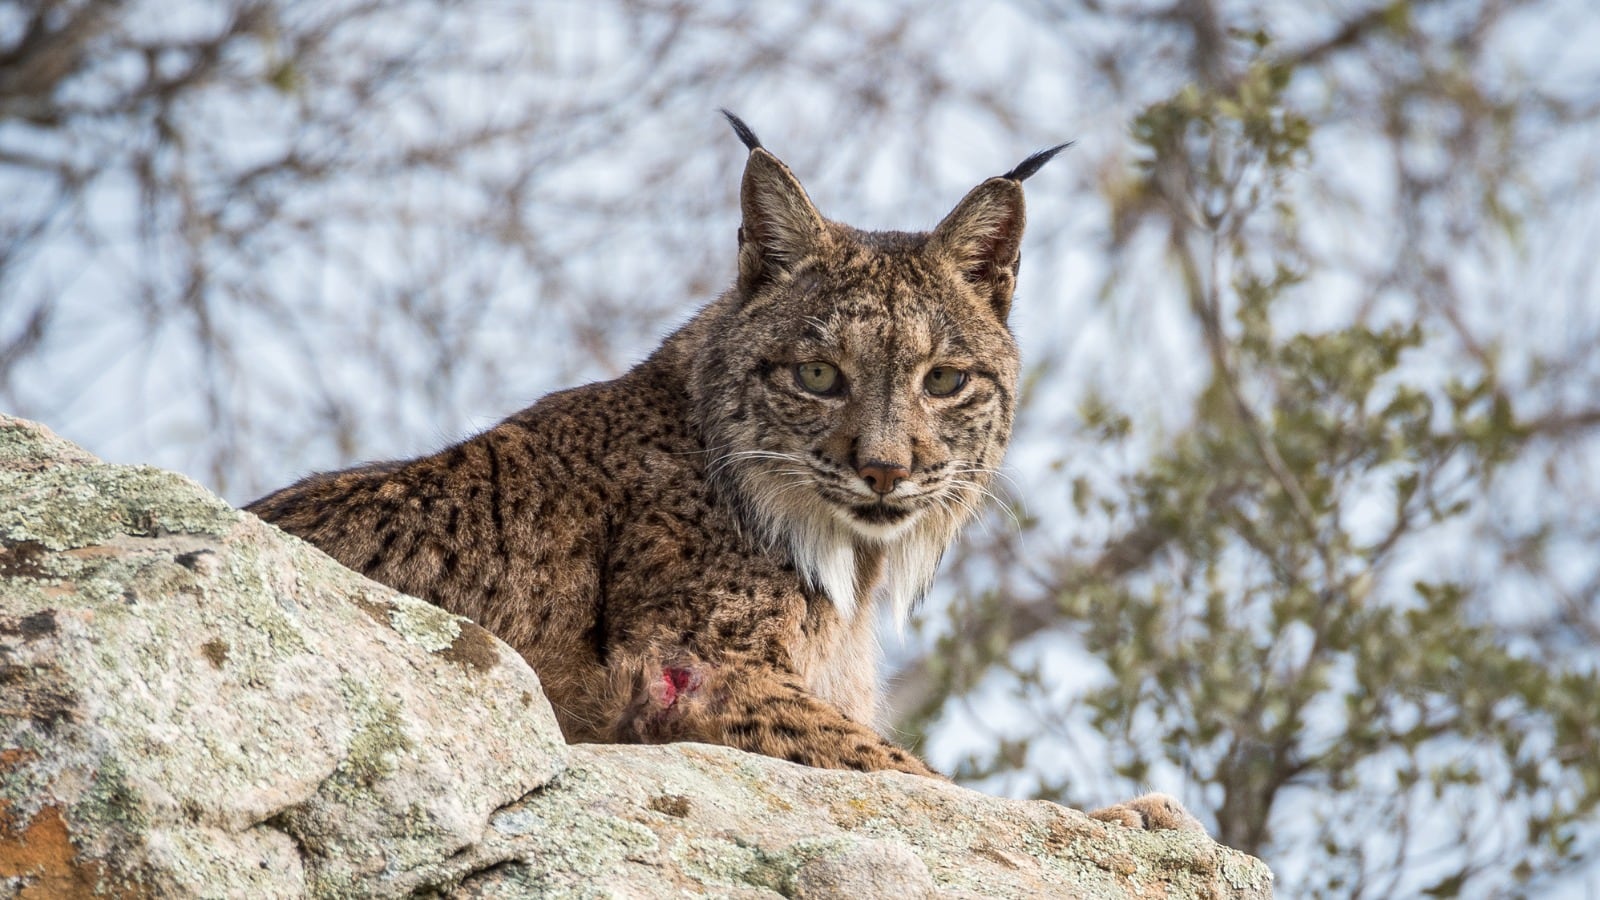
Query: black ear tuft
x=748 y=136
x=1025 y=168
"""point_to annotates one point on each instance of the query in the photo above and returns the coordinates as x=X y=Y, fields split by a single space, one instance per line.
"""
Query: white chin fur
x=822 y=540
x=826 y=557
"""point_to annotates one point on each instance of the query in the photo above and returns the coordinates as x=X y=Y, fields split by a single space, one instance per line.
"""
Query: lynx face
x=883 y=401
x=859 y=394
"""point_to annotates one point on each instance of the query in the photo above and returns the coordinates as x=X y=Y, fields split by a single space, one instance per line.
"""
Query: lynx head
x=857 y=388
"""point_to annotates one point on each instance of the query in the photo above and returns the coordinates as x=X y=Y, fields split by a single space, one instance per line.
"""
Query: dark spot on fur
x=789 y=731
x=473 y=648
x=496 y=514
x=598 y=635
x=216 y=652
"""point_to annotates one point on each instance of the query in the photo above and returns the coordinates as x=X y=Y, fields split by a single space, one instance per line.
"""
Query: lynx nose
x=882 y=476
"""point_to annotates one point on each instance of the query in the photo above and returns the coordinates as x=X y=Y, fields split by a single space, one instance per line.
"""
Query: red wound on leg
x=675 y=681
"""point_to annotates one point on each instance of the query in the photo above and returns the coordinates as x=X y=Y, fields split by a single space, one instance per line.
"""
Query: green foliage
x=1280 y=653
x=1277 y=620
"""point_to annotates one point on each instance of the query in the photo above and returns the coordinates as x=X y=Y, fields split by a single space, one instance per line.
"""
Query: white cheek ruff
x=912 y=562
x=825 y=554
x=822 y=539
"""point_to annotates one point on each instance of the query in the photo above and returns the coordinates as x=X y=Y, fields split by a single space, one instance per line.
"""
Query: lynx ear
x=780 y=224
x=983 y=235
x=984 y=232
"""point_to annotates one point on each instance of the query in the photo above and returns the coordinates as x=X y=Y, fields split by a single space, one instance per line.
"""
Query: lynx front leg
x=1150 y=812
x=759 y=708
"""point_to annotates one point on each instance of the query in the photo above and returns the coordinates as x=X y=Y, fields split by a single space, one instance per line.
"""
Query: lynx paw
x=1151 y=812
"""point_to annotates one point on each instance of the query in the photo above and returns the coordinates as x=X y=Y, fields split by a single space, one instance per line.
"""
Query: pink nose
x=881 y=476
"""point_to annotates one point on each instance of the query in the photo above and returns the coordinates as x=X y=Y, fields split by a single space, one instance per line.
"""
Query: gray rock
x=656 y=821
x=194 y=704
x=190 y=701
x=867 y=868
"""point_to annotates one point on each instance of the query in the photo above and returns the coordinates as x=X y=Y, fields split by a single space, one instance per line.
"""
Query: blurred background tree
x=1310 y=450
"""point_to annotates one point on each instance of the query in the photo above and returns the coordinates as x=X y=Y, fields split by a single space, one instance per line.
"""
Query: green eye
x=942 y=381
x=819 y=377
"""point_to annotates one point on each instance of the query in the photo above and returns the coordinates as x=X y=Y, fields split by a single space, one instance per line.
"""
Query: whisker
x=994 y=473
x=728 y=459
x=985 y=493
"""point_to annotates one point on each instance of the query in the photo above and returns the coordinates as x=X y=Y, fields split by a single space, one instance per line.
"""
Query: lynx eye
x=819 y=378
x=942 y=381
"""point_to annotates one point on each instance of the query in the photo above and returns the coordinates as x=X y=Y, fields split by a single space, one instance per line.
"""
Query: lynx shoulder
x=697 y=549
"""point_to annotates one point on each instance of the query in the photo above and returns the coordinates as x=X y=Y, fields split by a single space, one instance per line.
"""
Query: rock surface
x=194 y=704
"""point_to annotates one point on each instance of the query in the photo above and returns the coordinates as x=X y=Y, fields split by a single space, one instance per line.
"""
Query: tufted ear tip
x=747 y=136
x=1032 y=164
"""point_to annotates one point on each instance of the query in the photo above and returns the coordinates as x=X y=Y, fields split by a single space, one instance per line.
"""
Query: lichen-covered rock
x=654 y=821
x=194 y=704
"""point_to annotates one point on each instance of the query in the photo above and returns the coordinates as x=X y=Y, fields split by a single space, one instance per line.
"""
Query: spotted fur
x=697 y=550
